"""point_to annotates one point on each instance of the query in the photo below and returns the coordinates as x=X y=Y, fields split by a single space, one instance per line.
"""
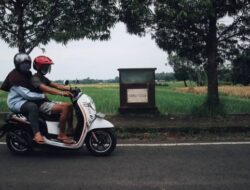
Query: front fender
x=100 y=123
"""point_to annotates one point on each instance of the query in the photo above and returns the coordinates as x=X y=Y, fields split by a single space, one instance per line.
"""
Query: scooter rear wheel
x=105 y=144
x=19 y=141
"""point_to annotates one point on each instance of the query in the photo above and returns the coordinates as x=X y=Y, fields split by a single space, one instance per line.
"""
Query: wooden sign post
x=137 y=90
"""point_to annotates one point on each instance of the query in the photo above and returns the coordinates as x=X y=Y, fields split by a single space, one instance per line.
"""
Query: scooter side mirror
x=66 y=82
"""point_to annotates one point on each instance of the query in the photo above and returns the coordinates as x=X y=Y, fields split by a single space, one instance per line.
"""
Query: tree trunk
x=19 y=9
x=185 y=83
x=212 y=88
x=212 y=65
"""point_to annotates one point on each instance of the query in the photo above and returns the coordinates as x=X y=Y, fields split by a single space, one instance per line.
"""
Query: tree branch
x=4 y=27
x=230 y=36
x=8 y=8
x=237 y=21
x=229 y=28
x=49 y=23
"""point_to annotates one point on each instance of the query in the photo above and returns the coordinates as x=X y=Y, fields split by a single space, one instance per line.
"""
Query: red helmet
x=43 y=64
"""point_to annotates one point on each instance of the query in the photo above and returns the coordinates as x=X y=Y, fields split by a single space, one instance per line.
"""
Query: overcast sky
x=97 y=60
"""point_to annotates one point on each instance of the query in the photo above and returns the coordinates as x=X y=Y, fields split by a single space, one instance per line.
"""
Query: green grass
x=3 y=105
x=167 y=100
x=106 y=99
x=235 y=105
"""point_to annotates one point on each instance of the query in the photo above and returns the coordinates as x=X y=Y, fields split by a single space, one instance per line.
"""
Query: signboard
x=137 y=95
x=137 y=90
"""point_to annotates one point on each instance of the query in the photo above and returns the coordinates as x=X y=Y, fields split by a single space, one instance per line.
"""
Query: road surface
x=210 y=167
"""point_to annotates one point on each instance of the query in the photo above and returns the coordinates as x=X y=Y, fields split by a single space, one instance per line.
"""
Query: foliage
x=185 y=70
x=225 y=73
x=182 y=68
x=158 y=76
x=164 y=76
x=241 y=69
x=89 y=81
x=185 y=27
x=26 y=24
x=137 y=15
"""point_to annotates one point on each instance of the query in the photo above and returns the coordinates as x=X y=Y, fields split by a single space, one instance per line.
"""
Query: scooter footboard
x=100 y=123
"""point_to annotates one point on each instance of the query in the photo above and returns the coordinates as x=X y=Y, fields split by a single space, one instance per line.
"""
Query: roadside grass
x=3 y=105
x=168 y=100
x=234 y=105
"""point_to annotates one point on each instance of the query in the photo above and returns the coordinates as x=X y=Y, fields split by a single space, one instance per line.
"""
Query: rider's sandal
x=38 y=140
x=66 y=140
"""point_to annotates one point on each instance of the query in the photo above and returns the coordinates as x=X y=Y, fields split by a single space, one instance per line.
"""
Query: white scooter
x=91 y=129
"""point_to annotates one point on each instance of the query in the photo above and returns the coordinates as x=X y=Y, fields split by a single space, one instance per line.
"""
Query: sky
x=94 y=59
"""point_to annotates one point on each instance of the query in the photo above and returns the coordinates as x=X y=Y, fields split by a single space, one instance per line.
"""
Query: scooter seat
x=16 y=117
x=23 y=118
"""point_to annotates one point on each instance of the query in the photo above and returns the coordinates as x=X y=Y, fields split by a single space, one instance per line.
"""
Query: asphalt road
x=212 y=167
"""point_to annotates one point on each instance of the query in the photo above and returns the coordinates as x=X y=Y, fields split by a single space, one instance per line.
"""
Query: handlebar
x=75 y=91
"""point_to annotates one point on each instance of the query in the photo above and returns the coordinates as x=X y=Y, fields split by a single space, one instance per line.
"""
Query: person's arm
x=27 y=94
x=46 y=86
x=59 y=86
x=47 y=89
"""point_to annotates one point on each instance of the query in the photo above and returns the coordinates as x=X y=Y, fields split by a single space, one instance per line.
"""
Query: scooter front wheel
x=101 y=142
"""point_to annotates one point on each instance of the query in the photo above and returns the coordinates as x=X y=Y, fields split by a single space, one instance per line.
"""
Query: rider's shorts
x=46 y=107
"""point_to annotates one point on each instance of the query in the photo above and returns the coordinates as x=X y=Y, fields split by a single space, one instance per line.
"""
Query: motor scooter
x=91 y=129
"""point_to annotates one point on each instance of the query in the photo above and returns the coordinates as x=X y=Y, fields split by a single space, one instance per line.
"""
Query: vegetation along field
x=173 y=99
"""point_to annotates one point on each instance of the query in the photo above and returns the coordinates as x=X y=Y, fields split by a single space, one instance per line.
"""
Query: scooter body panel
x=53 y=127
x=100 y=123
x=83 y=103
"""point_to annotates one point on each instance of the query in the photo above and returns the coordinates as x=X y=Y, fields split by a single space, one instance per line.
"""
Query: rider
x=42 y=65
x=23 y=97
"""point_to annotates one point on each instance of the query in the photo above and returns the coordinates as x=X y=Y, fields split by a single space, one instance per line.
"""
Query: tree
x=182 y=70
x=192 y=29
x=26 y=24
x=164 y=76
x=225 y=73
x=241 y=69
x=137 y=15
x=185 y=70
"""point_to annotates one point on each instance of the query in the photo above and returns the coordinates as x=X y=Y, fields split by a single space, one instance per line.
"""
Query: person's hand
x=66 y=94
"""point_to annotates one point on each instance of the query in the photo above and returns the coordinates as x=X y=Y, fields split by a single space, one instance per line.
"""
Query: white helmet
x=21 y=58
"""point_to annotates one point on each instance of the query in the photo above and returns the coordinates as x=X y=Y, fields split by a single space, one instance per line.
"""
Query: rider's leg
x=31 y=110
x=64 y=115
x=70 y=116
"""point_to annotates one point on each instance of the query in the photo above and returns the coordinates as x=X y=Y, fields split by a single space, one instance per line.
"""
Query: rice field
x=169 y=99
x=238 y=91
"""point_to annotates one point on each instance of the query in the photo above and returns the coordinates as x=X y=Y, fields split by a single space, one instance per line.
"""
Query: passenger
x=23 y=97
x=42 y=65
